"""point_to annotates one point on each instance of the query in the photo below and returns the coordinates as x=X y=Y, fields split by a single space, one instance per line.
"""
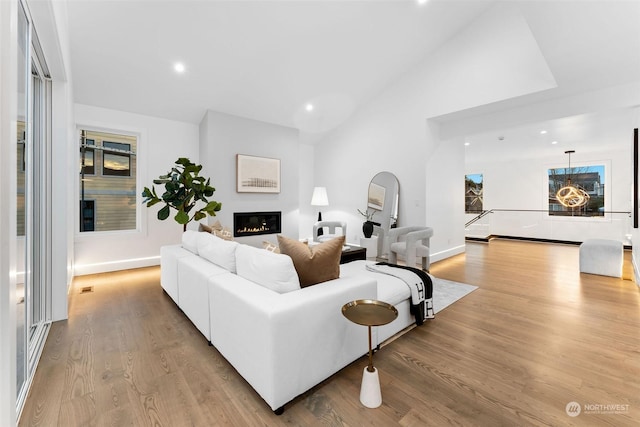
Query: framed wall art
x=376 y=196
x=257 y=174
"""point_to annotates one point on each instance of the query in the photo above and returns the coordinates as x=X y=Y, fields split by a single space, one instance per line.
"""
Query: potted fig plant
x=367 y=226
x=184 y=189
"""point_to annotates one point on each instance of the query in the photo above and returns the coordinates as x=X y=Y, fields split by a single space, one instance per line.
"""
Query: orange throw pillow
x=314 y=264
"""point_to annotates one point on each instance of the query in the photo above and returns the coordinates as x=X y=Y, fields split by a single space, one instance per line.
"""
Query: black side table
x=353 y=253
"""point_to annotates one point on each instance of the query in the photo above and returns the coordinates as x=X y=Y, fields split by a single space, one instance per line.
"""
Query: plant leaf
x=181 y=217
x=163 y=213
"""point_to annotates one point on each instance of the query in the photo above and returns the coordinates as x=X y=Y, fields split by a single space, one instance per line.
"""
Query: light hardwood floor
x=534 y=337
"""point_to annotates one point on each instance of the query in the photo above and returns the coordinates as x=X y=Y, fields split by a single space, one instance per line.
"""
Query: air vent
x=86 y=289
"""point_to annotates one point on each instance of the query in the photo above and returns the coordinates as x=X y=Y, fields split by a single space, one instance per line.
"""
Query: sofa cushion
x=314 y=264
x=190 y=241
x=268 y=269
x=218 y=251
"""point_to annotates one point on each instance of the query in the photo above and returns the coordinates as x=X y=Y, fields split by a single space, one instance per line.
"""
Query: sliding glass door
x=33 y=204
x=21 y=217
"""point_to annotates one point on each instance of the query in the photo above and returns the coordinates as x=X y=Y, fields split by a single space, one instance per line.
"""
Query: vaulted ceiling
x=268 y=59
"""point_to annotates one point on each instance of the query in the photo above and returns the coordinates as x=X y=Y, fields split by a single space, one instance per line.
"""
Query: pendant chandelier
x=570 y=195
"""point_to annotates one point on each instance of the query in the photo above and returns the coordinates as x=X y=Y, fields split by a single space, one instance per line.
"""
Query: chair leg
x=393 y=257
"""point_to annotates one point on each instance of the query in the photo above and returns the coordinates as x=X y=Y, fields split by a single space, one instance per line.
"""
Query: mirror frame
x=383 y=197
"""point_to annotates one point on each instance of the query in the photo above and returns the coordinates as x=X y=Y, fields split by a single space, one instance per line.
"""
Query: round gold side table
x=368 y=312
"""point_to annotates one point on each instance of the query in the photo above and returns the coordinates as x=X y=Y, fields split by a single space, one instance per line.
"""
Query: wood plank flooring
x=534 y=337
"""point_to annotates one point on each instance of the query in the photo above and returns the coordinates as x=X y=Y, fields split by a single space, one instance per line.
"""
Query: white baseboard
x=447 y=253
x=125 y=264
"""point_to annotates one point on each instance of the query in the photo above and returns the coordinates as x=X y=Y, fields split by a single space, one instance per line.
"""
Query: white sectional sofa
x=281 y=338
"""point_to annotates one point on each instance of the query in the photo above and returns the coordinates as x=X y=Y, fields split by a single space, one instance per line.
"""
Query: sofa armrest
x=284 y=344
x=169 y=256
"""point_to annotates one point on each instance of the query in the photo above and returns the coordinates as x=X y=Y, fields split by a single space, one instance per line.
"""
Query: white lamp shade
x=319 y=197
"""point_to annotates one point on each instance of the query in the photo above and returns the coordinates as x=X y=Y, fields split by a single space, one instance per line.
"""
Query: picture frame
x=257 y=174
x=376 y=196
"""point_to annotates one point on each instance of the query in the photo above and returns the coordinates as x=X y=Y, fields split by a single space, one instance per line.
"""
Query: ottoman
x=602 y=257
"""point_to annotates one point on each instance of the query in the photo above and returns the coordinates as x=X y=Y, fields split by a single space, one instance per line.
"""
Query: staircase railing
x=478 y=217
x=529 y=223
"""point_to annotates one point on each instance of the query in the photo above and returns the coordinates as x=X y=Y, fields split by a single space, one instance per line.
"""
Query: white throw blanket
x=421 y=292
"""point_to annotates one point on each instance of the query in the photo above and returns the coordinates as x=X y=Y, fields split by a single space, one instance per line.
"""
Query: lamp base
x=320 y=231
x=370 y=395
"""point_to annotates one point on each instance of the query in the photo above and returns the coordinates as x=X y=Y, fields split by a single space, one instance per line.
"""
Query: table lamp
x=319 y=198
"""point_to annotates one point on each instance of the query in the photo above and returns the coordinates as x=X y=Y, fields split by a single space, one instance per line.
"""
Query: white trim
x=126 y=264
x=447 y=253
x=141 y=136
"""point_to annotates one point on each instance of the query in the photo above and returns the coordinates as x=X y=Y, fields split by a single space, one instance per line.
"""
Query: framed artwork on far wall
x=376 y=196
x=257 y=174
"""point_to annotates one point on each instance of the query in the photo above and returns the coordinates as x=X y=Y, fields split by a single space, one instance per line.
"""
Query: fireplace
x=255 y=223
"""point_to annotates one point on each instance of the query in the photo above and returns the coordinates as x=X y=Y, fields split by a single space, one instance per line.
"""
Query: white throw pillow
x=268 y=269
x=190 y=241
x=219 y=251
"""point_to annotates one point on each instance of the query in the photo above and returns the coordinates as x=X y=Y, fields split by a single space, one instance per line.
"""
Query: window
x=589 y=178
x=108 y=186
x=88 y=215
x=117 y=161
x=33 y=271
x=473 y=189
x=86 y=156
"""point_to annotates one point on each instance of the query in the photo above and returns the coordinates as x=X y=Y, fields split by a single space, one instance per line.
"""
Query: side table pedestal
x=370 y=395
x=371 y=245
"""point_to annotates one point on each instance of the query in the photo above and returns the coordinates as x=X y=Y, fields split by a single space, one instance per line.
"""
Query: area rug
x=446 y=292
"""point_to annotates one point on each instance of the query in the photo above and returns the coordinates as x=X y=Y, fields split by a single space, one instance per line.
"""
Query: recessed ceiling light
x=422 y=1
x=308 y=107
x=542 y=132
x=467 y=144
x=554 y=142
x=179 y=67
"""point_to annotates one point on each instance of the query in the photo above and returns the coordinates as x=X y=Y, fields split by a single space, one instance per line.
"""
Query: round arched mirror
x=382 y=200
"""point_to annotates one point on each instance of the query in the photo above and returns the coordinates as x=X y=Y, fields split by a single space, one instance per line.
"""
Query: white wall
x=222 y=136
x=483 y=64
x=521 y=184
x=307 y=214
x=445 y=161
x=161 y=143
x=56 y=48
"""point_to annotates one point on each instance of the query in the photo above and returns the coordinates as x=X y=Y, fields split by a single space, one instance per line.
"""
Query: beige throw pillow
x=270 y=247
x=205 y=228
x=314 y=264
x=225 y=234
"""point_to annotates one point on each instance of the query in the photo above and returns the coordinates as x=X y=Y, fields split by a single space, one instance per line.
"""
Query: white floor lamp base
x=370 y=395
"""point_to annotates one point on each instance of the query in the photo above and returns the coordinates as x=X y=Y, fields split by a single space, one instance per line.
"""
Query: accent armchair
x=332 y=226
x=410 y=243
